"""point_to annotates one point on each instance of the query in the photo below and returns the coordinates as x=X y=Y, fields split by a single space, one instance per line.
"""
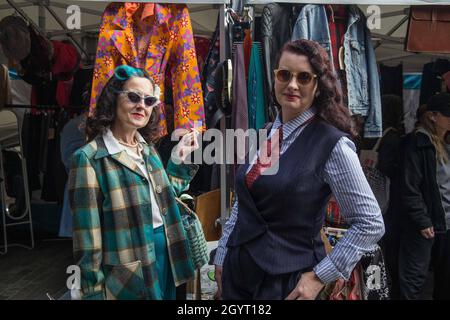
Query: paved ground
x=31 y=274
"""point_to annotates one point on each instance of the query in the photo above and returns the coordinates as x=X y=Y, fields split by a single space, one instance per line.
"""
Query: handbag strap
x=377 y=145
x=185 y=206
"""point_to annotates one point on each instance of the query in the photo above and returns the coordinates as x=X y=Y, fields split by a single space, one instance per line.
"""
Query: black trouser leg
x=391 y=247
x=441 y=266
x=414 y=262
x=242 y=278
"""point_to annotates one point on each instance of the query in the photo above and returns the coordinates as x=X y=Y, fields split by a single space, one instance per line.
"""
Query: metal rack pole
x=224 y=192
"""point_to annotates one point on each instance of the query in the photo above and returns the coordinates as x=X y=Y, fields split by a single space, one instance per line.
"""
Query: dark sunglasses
x=133 y=97
x=303 y=78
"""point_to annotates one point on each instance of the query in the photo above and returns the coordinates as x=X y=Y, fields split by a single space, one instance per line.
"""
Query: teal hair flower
x=125 y=72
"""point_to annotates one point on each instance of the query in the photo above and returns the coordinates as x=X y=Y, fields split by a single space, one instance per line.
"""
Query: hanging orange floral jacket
x=171 y=51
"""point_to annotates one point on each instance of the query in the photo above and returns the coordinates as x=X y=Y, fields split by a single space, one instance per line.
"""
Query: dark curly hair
x=104 y=113
x=329 y=102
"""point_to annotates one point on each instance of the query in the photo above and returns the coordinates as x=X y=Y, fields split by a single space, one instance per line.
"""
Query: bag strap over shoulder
x=377 y=145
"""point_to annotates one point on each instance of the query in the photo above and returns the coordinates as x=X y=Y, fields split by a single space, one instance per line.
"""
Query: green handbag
x=195 y=236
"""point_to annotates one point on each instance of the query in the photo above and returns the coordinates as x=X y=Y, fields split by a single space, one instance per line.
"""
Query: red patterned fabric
x=259 y=167
x=202 y=45
x=337 y=23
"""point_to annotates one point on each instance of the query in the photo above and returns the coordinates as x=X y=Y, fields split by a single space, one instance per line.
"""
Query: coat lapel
x=121 y=157
x=126 y=161
x=123 y=37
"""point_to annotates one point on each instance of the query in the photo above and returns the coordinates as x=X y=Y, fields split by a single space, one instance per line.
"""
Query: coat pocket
x=125 y=281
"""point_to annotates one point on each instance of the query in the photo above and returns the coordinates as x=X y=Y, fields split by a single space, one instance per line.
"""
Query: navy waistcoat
x=280 y=218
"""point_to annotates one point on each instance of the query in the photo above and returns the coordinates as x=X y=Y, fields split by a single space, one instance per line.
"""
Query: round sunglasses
x=133 y=97
x=303 y=78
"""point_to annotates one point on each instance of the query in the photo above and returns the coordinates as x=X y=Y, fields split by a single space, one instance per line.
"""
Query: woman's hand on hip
x=308 y=287
x=428 y=233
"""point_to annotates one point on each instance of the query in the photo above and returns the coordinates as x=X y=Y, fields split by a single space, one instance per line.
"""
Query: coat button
x=149 y=168
x=158 y=189
x=164 y=210
x=192 y=172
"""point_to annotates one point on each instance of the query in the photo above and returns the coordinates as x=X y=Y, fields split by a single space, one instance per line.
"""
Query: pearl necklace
x=128 y=144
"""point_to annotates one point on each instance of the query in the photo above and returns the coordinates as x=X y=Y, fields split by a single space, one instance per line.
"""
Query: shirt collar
x=132 y=7
x=290 y=126
x=160 y=11
x=112 y=144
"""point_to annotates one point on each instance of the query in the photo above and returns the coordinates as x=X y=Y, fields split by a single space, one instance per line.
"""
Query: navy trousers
x=242 y=279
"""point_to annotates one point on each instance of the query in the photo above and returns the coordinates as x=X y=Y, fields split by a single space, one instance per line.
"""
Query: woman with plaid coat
x=129 y=241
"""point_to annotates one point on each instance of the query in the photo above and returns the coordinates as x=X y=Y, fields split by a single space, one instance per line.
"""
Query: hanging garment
x=32 y=127
x=239 y=115
x=54 y=172
x=65 y=61
x=239 y=110
x=337 y=16
x=20 y=95
x=255 y=95
x=63 y=91
x=248 y=46
x=202 y=45
x=337 y=25
x=171 y=49
x=391 y=80
x=5 y=86
x=411 y=96
x=82 y=83
x=209 y=86
x=276 y=29
x=432 y=77
x=359 y=59
x=37 y=65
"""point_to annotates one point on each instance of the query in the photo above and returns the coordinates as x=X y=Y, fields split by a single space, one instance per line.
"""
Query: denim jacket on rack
x=361 y=68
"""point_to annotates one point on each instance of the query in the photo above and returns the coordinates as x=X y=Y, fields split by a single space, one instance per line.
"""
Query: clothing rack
x=361 y=2
x=43 y=107
x=11 y=140
x=224 y=4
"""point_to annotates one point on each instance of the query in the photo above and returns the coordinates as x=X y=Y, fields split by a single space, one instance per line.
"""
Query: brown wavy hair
x=104 y=113
x=329 y=102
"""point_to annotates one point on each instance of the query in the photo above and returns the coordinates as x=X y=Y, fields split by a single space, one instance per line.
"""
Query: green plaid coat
x=112 y=222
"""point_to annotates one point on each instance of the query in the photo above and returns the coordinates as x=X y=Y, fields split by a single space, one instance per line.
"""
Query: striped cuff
x=326 y=271
x=220 y=256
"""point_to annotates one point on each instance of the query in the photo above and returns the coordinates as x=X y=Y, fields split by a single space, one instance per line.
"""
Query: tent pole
x=41 y=19
x=24 y=16
x=61 y=23
x=18 y=5
x=83 y=10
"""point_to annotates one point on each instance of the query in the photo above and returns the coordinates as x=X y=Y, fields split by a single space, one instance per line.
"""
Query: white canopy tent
x=50 y=17
x=388 y=40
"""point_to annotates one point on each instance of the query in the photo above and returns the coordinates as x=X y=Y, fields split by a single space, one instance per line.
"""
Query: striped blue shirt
x=358 y=206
